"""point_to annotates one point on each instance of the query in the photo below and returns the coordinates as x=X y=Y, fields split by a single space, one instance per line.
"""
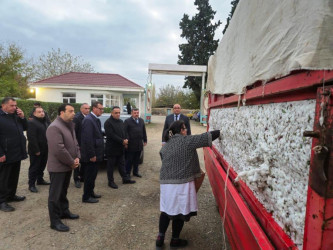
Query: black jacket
x=92 y=139
x=170 y=119
x=36 y=134
x=136 y=134
x=115 y=135
x=78 y=118
x=12 y=139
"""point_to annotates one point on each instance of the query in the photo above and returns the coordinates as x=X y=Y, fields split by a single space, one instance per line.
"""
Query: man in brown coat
x=63 y=157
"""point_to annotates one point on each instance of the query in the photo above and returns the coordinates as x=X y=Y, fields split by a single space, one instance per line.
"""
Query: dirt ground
x=126 y=218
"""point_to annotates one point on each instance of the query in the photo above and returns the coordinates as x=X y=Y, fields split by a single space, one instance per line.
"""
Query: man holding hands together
x=63 y=157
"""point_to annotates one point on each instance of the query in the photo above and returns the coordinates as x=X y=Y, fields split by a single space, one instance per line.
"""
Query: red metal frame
x=299 y=86
x=318 y=231
x=239 y=221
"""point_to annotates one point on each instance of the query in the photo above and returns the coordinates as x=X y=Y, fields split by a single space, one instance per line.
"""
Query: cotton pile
x=264 y=144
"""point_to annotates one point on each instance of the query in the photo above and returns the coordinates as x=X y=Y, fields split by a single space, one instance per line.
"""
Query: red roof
x=89 y=79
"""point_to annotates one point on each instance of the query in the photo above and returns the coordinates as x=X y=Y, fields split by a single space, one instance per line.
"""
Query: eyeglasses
x=101 y=109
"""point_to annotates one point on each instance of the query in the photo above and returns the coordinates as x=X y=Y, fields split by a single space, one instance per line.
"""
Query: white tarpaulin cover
x=267 y=39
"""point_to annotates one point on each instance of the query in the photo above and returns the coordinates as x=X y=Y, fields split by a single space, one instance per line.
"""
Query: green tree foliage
x=56 y=62
x=199 y=32
x=233 y=8
x=15 y=72
x=169 y=95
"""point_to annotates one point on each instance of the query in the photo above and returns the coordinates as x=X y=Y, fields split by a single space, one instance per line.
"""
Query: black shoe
x=159 y=241
x=128 y=182
x=113 y=185
x=17 y=198
x=33 y=189
x=70 y=216
x=90 y=200
x=77 y=184
x=43 y=182
x=60 y=227
x=178 y=243
x=96 y=196
x=6 y=207
x=138 y=175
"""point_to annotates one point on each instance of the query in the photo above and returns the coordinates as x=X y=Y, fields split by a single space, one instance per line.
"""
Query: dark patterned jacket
x=180 y=162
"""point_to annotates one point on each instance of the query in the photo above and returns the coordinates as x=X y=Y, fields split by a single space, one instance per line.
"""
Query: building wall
x=56 y=95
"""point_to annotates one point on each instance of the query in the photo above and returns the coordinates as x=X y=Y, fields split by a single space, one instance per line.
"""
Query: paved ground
x=126 y=218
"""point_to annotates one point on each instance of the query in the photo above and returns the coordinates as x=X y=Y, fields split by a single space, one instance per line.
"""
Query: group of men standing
x=66 y=146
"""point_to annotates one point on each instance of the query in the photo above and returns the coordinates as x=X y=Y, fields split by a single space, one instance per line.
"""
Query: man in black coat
x=38 y=105
x=176 y=116
x=92 y=151
x=37 y=148
x=137 y=138
x=12 y=151
x=116 y=142
x=78 y=175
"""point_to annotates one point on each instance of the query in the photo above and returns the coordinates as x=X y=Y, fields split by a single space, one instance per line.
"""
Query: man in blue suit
x=176 y=116
x=92 y=151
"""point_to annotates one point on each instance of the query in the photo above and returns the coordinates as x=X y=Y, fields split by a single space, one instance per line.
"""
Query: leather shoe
x=113 y=185
x=33 y=189
x=90 y=200
x=60 y=227
x=96 y=196
x=70 y=216
x=17 y=198
x=43 y=182
x=77 y=184
x=6 y=207
x=138 y=175
x=128 y=182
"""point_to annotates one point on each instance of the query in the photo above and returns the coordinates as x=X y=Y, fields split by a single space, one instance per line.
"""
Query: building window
x=69 y=97
x=112 y=100
x=96 y=98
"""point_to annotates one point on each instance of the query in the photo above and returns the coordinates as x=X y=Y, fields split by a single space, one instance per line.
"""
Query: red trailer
x=247 y=223
x=270 y=64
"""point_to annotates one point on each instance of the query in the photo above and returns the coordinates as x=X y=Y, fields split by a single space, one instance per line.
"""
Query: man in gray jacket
x=63 y=157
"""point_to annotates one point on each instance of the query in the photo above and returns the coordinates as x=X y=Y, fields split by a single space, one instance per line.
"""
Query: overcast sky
x=114 y=36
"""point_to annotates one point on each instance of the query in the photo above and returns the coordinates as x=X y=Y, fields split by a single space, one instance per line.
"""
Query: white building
x=74 y=87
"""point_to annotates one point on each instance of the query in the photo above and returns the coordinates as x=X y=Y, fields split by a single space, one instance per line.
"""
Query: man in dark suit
x=12 y=151
x=176 y=116
x=137 y=138
x=78 y=175
x=116 y=142
x=37 y=148
x=92 y=151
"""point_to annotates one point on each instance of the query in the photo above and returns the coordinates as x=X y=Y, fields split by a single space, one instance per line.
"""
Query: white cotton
x=264 y=144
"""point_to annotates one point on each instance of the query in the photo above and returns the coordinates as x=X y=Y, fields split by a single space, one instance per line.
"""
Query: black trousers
x=116 y=161
x=132 y=159
x=58 y=202
x=78 y=173
x=90 y=174
x=177 y=225
x=9 y=176
x=37 y=167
